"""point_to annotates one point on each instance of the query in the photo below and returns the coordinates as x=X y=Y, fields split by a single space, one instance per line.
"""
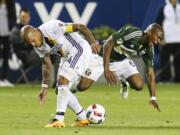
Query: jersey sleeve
x=148 y=58
x=56 y=27
x=62 y=28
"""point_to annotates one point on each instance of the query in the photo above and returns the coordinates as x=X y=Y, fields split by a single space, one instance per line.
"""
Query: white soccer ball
x=96 y=114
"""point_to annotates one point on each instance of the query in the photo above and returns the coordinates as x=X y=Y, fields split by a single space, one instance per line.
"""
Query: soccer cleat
x=124 y=89
x=80 y=123
x=54 y=123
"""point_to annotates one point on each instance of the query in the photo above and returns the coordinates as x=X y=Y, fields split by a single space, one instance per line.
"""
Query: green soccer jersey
x=128 y=42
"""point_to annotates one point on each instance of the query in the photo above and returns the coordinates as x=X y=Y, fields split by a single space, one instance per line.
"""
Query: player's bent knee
x=84 y=84
x=139 y=86
x=82 y=87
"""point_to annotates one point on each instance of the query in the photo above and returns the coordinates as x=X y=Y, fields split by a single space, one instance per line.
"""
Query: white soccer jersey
x=75 y=49
x=54 y=38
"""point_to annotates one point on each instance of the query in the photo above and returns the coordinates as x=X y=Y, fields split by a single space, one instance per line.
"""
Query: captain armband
x=69 y=28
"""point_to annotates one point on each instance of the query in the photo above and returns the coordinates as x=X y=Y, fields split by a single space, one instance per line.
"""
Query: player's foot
x=124 y=89
x=54 y=123
x=81 y=123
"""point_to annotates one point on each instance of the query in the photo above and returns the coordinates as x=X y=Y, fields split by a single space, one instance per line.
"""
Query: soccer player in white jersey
x=57 y=37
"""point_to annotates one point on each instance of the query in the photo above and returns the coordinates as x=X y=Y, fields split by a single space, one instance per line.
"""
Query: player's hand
x=95 y=47
x=110 y=77
x=155 y=104
x=42 y=95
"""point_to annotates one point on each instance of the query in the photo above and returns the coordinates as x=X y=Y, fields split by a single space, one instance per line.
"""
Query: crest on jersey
x=88 y=72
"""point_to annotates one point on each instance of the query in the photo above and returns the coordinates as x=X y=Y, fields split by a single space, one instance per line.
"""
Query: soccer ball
x=95 y=114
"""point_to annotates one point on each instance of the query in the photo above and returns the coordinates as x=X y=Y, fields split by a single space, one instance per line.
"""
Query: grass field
x=20 y=113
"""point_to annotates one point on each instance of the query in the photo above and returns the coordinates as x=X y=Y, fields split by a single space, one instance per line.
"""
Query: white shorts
x=76 y=62
x=122 y=69
x=96 y=69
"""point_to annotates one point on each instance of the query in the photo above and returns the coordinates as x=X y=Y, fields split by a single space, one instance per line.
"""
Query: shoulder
x=128 y=29
x=52 y=23
x=52 y=26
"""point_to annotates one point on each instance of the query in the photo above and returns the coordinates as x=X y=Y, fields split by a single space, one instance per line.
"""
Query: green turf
x=20 y=113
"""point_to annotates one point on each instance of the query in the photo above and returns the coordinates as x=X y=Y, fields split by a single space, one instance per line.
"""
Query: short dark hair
x=24 y=10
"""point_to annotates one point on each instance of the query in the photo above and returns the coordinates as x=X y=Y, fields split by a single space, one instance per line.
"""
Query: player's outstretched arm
x=46 y=71
x=109 y=75
x=152 y=90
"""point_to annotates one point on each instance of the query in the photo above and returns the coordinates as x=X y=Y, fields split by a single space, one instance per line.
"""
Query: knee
x=82 y=87
x=139 y=86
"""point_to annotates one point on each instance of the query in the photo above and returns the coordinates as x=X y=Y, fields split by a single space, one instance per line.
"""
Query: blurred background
x=102 y=17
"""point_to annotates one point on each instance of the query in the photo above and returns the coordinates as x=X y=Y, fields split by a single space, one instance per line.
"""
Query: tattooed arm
x=46 y=72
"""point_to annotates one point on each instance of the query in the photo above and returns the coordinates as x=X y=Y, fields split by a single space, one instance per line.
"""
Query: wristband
x=153 y=98
x=44 y=85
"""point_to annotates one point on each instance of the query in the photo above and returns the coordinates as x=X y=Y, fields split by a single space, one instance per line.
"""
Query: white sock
x=60 y=116
x=76 y=107
x=63 y=97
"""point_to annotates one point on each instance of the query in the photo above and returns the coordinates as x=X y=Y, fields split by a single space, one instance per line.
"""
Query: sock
x=75 y=106
x=63 y=97
x=60 y=116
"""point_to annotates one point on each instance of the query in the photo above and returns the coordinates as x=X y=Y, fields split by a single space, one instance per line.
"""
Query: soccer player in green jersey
x=130 y=41
x=114 y=60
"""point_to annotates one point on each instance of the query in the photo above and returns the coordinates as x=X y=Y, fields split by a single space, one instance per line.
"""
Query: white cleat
x=124 y=89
